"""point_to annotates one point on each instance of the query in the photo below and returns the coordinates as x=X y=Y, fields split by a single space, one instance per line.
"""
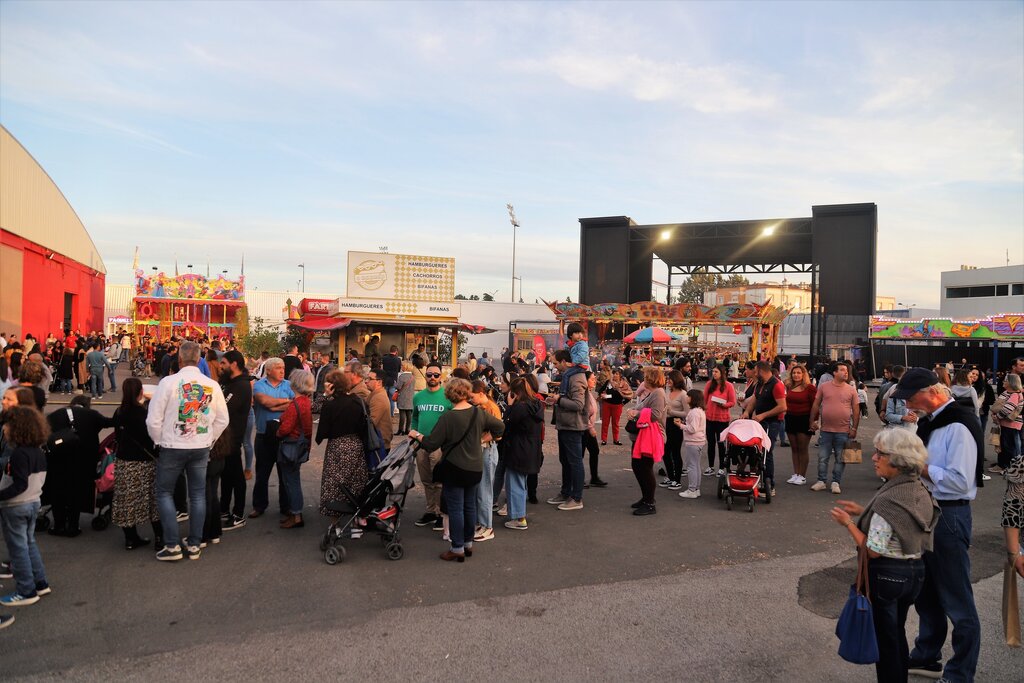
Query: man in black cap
x=953 y=436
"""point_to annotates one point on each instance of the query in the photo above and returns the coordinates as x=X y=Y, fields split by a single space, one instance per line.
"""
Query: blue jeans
x=96 y=383
x=461 y=503
x=830 y=443
x=292 y=481
x=19 y=524
x=485 y=490
x=775 y=429
x=1009 y=446
x=947 y=593
x=67 y=386
x=515 y=485
x=247 y=440
x=110 y=375
x=895 y=584
x=570 y=455
x=169 y=466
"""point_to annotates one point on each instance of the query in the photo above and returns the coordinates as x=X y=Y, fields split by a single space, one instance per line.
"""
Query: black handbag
x=631 y=426
x=440 y=468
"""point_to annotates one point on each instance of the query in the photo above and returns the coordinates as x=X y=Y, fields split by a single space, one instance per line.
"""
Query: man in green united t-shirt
x=427 y=407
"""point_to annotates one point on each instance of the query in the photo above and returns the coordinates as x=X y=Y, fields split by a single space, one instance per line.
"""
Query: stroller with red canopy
x=746 y=451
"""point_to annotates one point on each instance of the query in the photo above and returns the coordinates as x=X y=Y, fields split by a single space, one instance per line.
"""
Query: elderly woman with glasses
x=895 y=529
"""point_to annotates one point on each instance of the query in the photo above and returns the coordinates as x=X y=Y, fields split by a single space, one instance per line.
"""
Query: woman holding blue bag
x=893 y=532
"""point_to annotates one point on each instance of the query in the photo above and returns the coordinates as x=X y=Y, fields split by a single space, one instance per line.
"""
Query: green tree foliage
x=444 y=347
x=258 y=339
x=692 y=291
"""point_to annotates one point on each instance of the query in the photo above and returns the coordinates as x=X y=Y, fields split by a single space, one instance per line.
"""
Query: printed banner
x=400 y=276
x=188 y=286
x=352 y=307
x=680 y=314
x=1007 y=326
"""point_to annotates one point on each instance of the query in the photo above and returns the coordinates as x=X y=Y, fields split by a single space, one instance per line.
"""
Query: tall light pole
x=303 y=266
x=515 y=224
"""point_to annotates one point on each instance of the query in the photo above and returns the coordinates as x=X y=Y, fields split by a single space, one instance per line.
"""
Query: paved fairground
x=695 y=592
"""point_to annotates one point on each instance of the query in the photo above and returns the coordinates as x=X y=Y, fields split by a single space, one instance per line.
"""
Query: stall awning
x=475 y=329
x=321 y=325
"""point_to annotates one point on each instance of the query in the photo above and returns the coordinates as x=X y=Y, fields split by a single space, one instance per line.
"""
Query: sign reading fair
x=402 y=277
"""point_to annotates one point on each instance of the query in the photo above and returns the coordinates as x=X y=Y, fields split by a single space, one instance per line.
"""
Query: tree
x=693 y=289
x=460 y=297
x=444 y=346
x=257 y=339
x=488 y=297
x=296 y=336
x=474 y=297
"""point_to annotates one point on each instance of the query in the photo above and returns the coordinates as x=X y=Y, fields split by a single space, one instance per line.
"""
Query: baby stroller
x=748 y=446
x=104 y=498
x=376 y=509
x=139 y=366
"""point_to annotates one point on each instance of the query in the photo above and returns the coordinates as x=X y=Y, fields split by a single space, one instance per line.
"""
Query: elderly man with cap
x=953 y=436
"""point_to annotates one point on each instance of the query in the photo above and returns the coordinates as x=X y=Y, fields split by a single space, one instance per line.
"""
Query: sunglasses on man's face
x=433 y=374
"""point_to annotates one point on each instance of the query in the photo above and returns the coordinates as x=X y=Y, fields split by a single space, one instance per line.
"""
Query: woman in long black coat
x=522 y=440
x=70 y=486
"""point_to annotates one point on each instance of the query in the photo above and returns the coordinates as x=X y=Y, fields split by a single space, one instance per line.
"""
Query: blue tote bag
x=856 y=627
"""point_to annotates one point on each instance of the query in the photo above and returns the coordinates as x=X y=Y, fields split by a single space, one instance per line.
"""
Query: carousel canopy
x=651 y=335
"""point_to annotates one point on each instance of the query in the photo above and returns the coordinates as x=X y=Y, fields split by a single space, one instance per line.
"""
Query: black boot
x=132 y=540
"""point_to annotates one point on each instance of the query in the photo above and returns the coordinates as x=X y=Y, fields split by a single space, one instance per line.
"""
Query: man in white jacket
x=186 y=415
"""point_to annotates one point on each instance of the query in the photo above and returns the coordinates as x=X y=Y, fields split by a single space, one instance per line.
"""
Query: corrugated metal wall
x=33 y=207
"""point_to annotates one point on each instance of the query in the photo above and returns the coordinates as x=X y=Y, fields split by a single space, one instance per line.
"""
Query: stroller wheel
x=325 y=541
x=334 y=554
x=100 y=522
x=728 y=502
x=721 y=488
x=395 y=551
x=750 y=505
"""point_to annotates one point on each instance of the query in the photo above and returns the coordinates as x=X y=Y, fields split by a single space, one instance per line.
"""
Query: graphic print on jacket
x=193 y=409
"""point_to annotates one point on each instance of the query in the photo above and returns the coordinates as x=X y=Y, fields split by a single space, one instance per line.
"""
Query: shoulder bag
x=373 y=442
x=294 y=449
x=442 y=465
x=856 y=627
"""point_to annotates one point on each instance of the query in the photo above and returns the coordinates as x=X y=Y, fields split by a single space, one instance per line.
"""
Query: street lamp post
x=515 y=224
x=303 y=266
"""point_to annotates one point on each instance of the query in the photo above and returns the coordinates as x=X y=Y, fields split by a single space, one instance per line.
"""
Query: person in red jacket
x=297 y=420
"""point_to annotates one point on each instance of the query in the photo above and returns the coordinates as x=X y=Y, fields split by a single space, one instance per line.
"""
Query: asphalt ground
x=695 y=592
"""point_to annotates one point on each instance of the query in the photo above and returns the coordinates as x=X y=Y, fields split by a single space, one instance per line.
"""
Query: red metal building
x=51 y=274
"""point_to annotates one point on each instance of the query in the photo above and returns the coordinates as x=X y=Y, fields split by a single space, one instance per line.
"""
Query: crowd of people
x=217 y=419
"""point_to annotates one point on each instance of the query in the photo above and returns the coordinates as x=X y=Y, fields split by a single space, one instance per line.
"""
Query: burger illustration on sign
x=370 y=274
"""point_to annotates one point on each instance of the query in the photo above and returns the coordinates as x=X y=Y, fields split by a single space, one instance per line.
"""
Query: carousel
x=675 y=328
x=188 y=306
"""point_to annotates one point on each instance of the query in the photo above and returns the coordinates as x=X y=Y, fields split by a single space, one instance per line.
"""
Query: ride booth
x=761 y=321
x=188 y=306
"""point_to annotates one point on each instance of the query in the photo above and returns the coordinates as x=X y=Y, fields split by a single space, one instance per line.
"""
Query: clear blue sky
x=297 y=131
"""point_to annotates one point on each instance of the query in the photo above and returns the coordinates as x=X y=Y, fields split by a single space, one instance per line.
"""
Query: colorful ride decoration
x=188 y=286
x=188 y=306
x=1002 y=327
x=762 y=320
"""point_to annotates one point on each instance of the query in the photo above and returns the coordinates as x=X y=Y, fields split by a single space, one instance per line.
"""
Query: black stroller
x=376 y=509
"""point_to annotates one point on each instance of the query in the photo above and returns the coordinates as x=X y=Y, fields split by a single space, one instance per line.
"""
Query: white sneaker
x=709 y=472
x=792 y=480
x=571 y=504
x=818 y=486
x=483 y=534
x=835 y=488
x=721 y=472
x=689 y=493
x=800 y=481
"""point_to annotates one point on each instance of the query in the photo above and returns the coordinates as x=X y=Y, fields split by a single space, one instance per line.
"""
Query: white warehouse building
x=971 y=293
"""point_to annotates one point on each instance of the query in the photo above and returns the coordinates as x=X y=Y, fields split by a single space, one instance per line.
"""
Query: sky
x=295 y=132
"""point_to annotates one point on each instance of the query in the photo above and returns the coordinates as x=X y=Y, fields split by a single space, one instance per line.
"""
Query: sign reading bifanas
x=400 y=277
